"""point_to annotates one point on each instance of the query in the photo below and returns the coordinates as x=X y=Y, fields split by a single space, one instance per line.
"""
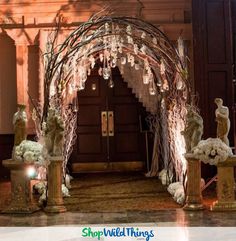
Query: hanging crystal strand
x=129 y=30
x=181 y=48
x=111 y=82
x=179 y=82
x=101 y=57
x=92 y=61
x=106 y=68
x=146 y=72
x=145 y=76
x=154 y=40
x=162 y=67
x=165 y=85
x=152 y=87
x=136 y=65
x=131 y=61
x=123 y=60
x=107 y=28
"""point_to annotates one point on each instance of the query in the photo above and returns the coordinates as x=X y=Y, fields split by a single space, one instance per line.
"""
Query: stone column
x=194 y=194
x=55 y=202
x=225 y=186
x=21 y=196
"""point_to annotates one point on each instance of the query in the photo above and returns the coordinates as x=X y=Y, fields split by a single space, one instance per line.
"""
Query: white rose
x=29 y=156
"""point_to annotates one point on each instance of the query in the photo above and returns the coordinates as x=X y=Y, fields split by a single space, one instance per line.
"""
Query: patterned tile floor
x=165 y=218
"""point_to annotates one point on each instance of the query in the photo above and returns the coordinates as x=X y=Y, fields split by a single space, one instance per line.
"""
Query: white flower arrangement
x=212 y=151
x=165 y=177
x=41 y=188
x=176 y=190
x=30 y=152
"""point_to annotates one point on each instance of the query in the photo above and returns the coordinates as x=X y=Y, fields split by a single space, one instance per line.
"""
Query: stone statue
x=193 y=129
x=20 y=124
x=54 y=133
x=222 y=119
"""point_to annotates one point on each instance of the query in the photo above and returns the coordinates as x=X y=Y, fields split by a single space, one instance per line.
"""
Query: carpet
x=118 y=192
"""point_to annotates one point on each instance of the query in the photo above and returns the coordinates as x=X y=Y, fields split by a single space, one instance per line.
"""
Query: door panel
x=212 y=39
x=91 y=146
x=127 y=144
x=109 y=136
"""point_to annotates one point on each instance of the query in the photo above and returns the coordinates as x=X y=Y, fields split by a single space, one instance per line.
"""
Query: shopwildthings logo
x=118 y=232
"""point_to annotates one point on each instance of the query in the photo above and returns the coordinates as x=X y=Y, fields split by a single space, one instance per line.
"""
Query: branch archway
x=116 y=41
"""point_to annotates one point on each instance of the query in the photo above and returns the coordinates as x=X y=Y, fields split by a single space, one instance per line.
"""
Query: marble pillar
x=225 y=186
x=55 y=202
x=194 y=194
x=21 y=195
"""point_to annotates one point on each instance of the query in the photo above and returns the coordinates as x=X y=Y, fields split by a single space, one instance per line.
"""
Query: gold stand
x=55 y=202
x=194 y=195
x=225 y=186
x=21 y=196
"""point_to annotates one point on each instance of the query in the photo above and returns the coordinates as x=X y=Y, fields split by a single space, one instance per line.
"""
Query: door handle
x=110 y=123
x=104 y=123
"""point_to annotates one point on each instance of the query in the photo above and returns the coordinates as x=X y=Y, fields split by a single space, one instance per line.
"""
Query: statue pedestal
x=55 y=202
x=225 y=186
x=194 y=194
x=21 y=196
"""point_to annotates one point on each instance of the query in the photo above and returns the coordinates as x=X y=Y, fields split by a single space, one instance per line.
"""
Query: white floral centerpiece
x=30 y=152
x=212 y=151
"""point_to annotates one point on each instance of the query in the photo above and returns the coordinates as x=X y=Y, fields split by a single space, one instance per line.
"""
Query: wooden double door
x=109 y=137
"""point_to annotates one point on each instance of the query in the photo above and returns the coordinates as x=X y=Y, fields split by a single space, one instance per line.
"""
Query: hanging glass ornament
x=111 y=83
x=128 y=57
x=113 y=44
x=82 y=73
x=117 y=29
x=152 y=88
x=100 y=71
x=154 y=40
x=131 y=61
x=52 y=90
x=143 y=49
x=145 y=77
x=159 y=82
x=120 y=49
x=106 y=73
x=143 y=36
x=113 y=63
x=81 y=85
x=136 y=66
x=162 y=67
x=101 y=57
x=70 y=89
x=165 y=85
x=136 y=49
x=128 y=29
x=92 y=61
x=152 y=91
x=181 y=47
x=123 y=60
x=107 y=28
x=130 y=40
x=89 y=71
x=179 y=84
